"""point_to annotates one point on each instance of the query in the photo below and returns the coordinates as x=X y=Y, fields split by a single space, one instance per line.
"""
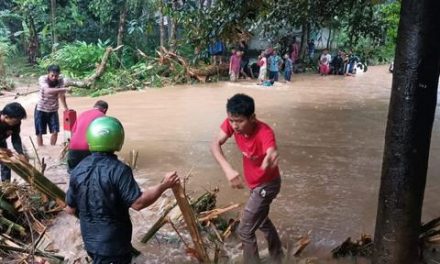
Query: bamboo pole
x=37 y=252
x=209 y=215
x=191 y=222
x=36 y=152
x=163 y=218
x=34 y=177
x=8 y=223
x=5 y=205
x=157 y=225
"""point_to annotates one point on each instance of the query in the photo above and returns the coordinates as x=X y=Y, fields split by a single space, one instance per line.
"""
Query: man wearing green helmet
x=101 y=191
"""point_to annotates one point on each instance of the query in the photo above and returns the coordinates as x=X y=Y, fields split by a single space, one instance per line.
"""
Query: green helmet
x=105 y=134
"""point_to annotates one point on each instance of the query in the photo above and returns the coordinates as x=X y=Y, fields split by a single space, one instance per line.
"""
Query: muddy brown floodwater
x=330 y=133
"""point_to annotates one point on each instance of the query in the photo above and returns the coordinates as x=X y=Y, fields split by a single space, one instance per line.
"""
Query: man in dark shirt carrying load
x=101 y=191
x=10 y=122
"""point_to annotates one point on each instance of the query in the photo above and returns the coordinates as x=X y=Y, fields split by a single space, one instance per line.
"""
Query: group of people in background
x=270 y=64
x=343 y=63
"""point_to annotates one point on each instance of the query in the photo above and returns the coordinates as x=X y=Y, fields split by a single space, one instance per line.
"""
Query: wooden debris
x=362 y=247
x=7 y=207
x=64 y=151
x=36 y=155
x=23 y=237
x=201 y=74
x=32 y=176
x=100 y=69
x=133 y=158
x=204 y=202
x=9 y=225
x=158 y=224
x=233 y=223
x=212 y=214
x=190 y=219
x=301 y=244
x=430 y=232
x=37 y=252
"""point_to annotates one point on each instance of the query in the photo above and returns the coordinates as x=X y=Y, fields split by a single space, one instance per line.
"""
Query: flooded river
x=330 y=134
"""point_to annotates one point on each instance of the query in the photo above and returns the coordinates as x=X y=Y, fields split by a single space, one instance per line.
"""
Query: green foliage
x=391 y=16
x=369 y=27
x=77 y=60
x=371 y=32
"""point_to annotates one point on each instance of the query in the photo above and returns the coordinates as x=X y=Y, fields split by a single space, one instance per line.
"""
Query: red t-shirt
x=78 y=141
x=254 y=149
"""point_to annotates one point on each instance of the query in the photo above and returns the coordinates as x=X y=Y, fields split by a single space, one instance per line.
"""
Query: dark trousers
x=255 y=216
x=5 y=170
x=74 y=157
x=273 y=75
x=98 y=259
x=287 y=75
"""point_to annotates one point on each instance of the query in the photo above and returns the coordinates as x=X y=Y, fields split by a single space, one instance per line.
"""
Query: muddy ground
x=330 y=133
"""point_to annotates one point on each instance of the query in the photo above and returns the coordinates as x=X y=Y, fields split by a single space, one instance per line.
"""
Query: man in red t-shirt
x=78 y=147
x=256 y=141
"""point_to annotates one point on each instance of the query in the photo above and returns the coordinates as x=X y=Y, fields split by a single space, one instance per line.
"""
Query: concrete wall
x=320 y=37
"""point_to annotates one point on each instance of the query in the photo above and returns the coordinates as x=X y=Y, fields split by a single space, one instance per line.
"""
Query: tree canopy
x=38 y=29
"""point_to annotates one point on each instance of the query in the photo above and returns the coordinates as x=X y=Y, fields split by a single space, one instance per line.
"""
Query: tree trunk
x=408 y=133
x=33 y=45
x=53 y=7
x=121 y=28
x=161 y=26
x=304 y=40
x=329 y=36
x=172 y=41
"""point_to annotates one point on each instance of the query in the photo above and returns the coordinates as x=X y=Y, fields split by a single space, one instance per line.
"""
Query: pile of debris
x=429 y=238
x=24 y=217
x=204 y=223
x=171 y=68
x=362 y=247
x=25 y=212
x=430 y=233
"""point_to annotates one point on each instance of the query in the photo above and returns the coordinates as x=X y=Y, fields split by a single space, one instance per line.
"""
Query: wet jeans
x=255 y=216
x=5 y=170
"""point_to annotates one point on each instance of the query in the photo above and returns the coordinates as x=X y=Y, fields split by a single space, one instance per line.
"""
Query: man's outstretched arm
x=216 y=149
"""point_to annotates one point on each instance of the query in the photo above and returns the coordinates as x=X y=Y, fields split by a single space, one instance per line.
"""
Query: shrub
x=77 y=60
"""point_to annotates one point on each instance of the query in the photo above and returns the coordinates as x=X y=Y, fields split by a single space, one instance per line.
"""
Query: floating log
x=190 y=219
